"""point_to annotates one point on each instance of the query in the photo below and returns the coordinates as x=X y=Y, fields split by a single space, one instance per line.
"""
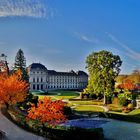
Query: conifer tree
x=20 y=64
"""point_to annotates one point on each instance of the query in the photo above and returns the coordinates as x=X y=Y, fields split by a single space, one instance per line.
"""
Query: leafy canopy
x=103 y=68
x=12 y=88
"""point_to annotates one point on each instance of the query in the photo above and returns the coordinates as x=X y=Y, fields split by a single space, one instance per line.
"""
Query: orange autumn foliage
x=12 y=88
x=127 y=85
x=48 y=111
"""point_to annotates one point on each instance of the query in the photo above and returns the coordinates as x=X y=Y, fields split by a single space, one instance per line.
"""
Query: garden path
x=13 y=132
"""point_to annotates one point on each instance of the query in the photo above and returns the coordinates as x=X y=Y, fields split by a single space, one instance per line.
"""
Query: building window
x=37 y=79
x=33 y=87
x=42 y=87
x=33 y=79
x=41 y=79
x=37 y=87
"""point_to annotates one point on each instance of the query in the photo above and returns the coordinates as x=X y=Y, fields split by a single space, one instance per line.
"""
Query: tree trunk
x=104 y=99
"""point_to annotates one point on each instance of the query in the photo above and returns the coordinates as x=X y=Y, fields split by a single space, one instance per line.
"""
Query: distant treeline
x=134 y=76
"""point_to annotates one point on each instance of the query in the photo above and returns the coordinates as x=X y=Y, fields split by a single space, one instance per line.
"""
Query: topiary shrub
x=130 y=106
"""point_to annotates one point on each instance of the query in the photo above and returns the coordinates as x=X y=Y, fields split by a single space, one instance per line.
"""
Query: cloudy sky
x=61 y=33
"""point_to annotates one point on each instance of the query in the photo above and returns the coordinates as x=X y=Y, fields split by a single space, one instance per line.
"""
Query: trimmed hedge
x=75 y=134
x=128 y=118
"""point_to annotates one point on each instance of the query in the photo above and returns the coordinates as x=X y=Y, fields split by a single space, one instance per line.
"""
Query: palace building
x=40 y=78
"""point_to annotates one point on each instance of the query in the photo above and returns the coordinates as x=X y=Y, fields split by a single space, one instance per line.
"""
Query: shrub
x=67 y=111
x=48 y=111
x=29 y=101
x=130 y=106
x=125 y=110
x=93 y=96
x=75 y=134
x=122 y=99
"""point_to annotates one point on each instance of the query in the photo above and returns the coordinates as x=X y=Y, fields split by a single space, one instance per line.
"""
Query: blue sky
x=61 y=33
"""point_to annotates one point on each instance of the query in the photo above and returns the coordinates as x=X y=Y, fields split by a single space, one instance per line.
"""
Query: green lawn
x=135 y=113
x=86 y=108
x=63 y=94
x=115 y=108
x=92 y=102
x=58 y=94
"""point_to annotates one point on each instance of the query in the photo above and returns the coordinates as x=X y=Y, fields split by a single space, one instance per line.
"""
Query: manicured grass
x=64 y=97
x=86 y=108
x=39 y=92
x=135 y=113
x=87 y=102
x=114 y=108
x=63 y=94
x=42 y=96
x=58 y=94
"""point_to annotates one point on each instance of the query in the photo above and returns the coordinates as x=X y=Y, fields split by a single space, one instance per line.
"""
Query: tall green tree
x=103 y=68
x=20 y=63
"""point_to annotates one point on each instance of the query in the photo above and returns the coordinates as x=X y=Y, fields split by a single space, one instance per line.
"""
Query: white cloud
x=27 y=8
x=129 y=52
x=86 y=38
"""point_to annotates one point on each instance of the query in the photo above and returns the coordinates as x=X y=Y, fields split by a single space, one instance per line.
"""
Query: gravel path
x=13 y=132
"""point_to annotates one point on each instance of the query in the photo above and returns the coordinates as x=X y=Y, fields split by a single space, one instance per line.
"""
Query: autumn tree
x=12 y=88
x=128 y=85
x=20 y=64
x=48 y=111
x=103 y=68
